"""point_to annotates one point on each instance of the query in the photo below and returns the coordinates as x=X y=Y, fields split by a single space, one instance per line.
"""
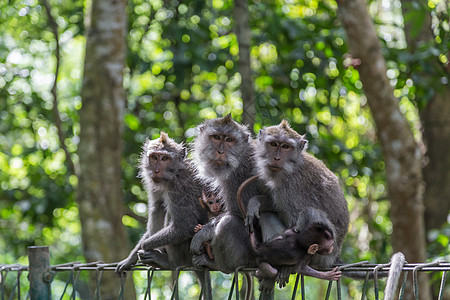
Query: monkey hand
x=198 y=228
x=332 y=275
x=252 y=213
x=126 y=264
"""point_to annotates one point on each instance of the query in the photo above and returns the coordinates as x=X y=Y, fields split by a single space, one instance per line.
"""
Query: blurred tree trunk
x=100 y=150
x=402 y=155
x=435 y=120
x=243 y=34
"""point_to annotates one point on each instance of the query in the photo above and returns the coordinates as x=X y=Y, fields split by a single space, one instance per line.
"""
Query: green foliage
x=181 y=69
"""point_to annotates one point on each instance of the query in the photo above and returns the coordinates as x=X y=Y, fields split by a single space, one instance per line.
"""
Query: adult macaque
x=295 y=247
x=297 y=181
x=223 y=157
x=172 y=191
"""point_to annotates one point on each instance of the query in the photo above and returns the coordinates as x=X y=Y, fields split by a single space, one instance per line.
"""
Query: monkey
x=298 y=180
x=213 y=204
x=295 y=248
x=222 y=154
x=172 y=189
x=312 y=234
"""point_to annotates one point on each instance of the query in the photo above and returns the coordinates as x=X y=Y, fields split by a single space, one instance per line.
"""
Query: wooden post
x=39 y=274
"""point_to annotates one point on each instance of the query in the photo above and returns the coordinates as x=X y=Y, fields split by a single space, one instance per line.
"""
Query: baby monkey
x=295 y=247
x=213 y=204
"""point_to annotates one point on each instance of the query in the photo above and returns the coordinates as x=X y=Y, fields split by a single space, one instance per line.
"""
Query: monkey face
x=215 y=205
x=160 y=166
x=222 y=143
x=279 y=153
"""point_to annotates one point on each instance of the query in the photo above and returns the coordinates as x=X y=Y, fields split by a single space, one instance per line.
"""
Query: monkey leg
x=265 y=270
x=208 y=250
x=155 y=258
x=330 y=275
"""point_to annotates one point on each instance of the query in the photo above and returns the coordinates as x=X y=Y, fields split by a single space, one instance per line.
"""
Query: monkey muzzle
x=274 y=168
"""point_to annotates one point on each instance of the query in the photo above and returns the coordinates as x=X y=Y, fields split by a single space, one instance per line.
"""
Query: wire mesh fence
x=41 y=275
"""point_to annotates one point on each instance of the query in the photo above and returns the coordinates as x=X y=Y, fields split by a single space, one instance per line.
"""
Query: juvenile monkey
x=295 y=248
x=297 y=180
x=213 y=204
x=172 y=191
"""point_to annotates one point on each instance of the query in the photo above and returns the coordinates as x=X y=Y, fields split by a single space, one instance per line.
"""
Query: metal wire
x=99 y=267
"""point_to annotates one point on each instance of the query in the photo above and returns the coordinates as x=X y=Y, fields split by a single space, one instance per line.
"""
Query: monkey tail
x=397 y=262
x=241 y=205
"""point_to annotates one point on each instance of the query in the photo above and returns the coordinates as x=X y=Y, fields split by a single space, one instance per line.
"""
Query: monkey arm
x=170 y=234
x=334 y=274
x=131 y=259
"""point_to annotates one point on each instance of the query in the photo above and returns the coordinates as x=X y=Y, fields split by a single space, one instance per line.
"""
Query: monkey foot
x=202 y=261
x=266 y=285
x=154 y=258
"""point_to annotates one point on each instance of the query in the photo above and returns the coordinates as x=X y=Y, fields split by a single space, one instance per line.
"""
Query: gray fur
x=304 y=182
x=229 y=239
x=397 y=262
x=173 y=208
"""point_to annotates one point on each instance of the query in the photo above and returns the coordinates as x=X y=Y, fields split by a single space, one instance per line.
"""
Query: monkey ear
x=313 y=249
x=201 y=127
x=183 y=154
x=303 y=145
x=260 y=135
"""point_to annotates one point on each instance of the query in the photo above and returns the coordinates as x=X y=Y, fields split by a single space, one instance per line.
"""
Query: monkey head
x=278 y=150
x=160 y=160
x=218 y=146
x=211 y=202
x=318 y=239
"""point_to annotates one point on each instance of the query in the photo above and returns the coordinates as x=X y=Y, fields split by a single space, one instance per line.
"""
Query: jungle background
x=84 y=83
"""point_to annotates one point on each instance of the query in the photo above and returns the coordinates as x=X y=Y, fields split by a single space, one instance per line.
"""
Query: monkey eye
x=210 y=202
x=285 y=146
x=154 y=156
x=164 y=158
x=229 y=139
x=273 y=144
x=216 y=137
